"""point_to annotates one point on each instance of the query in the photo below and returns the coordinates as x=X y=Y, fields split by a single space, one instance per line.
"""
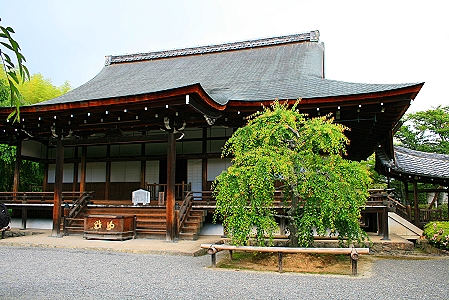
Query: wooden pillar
x=58 y=189
x=75 y=172
x=143 y=168
x=415 y=198
x=407 y=196
x=17 y=181
x=204 y=186
x=45 y=181
x=108 y=173
x=83 y=169
x=170 y=192
x=17 y=167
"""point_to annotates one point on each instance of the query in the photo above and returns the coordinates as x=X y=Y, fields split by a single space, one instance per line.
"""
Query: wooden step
x=188 y=236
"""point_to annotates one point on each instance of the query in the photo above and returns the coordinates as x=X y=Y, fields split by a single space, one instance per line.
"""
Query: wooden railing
x=37 y=197
x=184 y=210
x=206 y=199
x=71 y=213
x=79 y=204
x=400 y=209
x=180 y=189
x=427 y=215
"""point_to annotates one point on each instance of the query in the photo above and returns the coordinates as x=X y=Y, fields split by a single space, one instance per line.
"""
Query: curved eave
x=412 y=176
x=410 y=92
x=159 y=96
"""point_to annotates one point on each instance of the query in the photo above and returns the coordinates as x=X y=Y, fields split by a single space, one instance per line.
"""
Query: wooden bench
x=353 y=252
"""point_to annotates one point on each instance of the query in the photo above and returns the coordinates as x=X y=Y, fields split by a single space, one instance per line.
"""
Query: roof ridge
x=311 y=36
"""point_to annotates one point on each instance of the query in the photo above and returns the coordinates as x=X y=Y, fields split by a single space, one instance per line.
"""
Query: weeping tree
x=280 y=147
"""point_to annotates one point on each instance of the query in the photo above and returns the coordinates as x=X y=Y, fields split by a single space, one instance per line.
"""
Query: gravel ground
x=45 y=273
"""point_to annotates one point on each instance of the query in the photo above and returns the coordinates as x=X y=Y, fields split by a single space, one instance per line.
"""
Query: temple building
x=157 y=122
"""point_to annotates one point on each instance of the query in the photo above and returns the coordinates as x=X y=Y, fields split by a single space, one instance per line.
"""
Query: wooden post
x=204 y=161
x=170 y=192
x=214 y=259
x=58 y=189
x=24 y=218
x=45 y=181
x=17 y=182
x=385 y=230
x=415 y=198
x=17 y=168
x=83 y=169
x=75 y=173
x=407 y=202
x=143 y=168
x=108 y=173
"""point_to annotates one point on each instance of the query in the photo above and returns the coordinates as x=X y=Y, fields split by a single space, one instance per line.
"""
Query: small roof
x=287 y=67
x=407 y=163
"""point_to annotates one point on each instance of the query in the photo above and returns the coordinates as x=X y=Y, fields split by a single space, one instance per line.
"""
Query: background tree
x=39 y=89
x=15 y=73
x=281 y=147
x=36 y=89
x=426 y=131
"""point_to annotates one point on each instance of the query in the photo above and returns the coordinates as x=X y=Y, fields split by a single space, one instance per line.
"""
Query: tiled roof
x=287 y=67
x=412 y=162
x=312 y=36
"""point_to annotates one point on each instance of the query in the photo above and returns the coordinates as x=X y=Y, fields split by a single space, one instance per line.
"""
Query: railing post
x=24 y=218
x=177 y=222
x=385 y=229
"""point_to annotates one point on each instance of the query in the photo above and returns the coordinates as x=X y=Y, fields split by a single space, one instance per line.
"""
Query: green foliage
x=39 y=89
x=437 y=233
x=282 y=146
x=35 y=90
x=31 y=173
x=7 y=160
x=15 y=73
x=426 y=131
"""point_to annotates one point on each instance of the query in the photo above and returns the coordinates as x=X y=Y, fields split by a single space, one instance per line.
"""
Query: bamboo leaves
x=12 y=77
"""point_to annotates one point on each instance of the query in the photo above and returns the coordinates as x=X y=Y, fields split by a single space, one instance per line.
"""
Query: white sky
x=391 y=41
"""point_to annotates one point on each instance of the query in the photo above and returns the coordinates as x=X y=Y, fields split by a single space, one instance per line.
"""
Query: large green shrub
x=437 y=233
x=323 y=191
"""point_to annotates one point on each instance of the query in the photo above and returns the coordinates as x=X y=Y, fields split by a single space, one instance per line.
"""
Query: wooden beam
x=170 y=193
x=118 y=140
x=286 y=249
x=58 y=189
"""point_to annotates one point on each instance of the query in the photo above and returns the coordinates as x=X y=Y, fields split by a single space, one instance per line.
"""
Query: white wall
x=152 y=171
x=95 y=172
x=67 y=176
x=215 y=166
x=194 y=174
x=34 y=149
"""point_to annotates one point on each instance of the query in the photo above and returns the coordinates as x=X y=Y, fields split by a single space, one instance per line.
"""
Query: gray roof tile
x=288 y=67
x=419 y=163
